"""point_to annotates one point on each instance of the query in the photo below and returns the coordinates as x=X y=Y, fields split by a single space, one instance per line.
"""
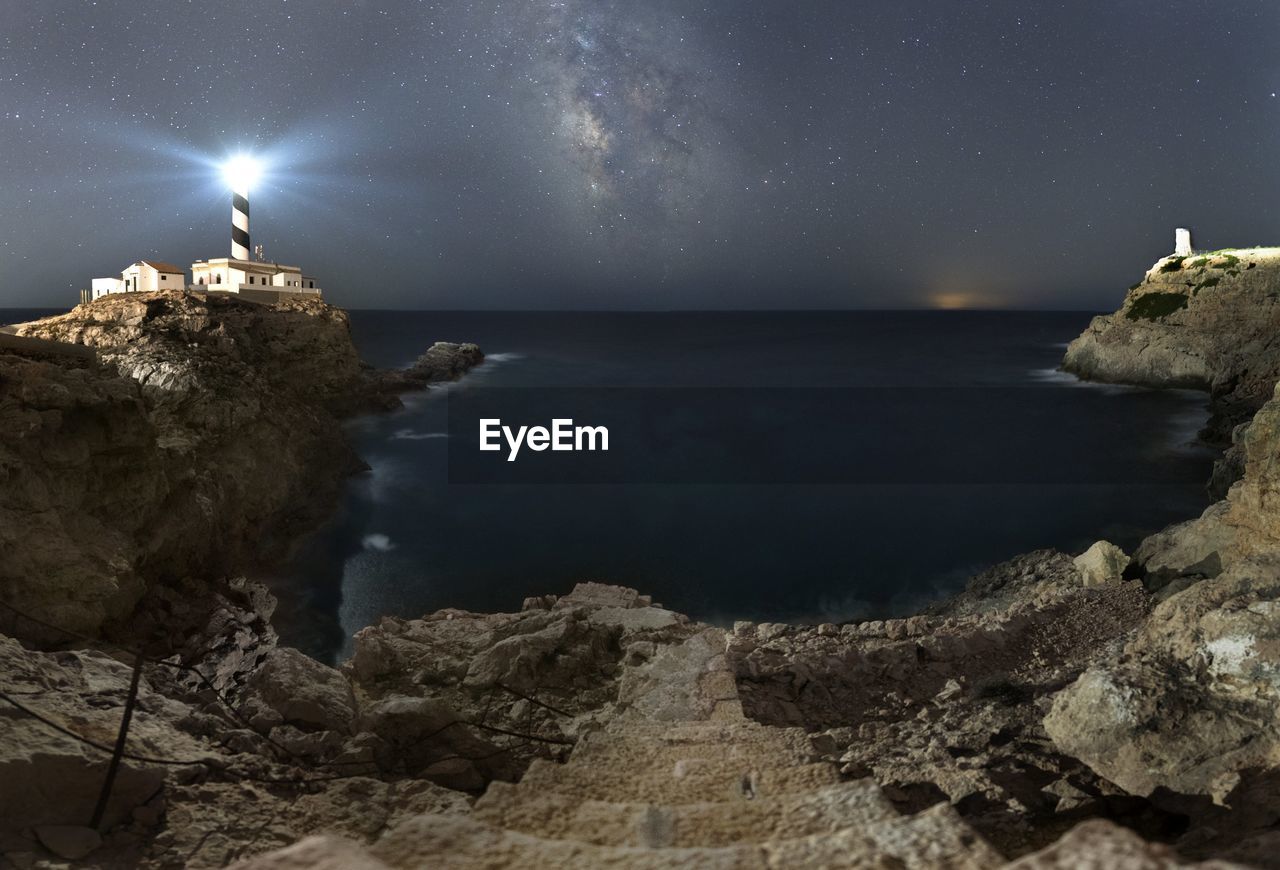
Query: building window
x=250 y=279
x=311 y=285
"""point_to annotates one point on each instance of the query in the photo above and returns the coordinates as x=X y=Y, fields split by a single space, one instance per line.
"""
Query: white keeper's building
x=144 y=276
x=232 y=276
x=260 y=281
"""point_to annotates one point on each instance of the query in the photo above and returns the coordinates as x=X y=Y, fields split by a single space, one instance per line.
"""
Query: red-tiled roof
x=168 y=268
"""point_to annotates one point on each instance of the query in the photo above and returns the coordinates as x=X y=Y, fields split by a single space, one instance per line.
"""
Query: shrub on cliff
x=1153 y=306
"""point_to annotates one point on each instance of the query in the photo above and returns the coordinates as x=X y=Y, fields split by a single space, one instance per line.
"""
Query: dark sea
x=871 y=543
x=989 y=452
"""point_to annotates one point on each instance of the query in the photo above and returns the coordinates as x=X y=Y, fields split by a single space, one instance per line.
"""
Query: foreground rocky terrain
x=1100 y=709
x=379 y=764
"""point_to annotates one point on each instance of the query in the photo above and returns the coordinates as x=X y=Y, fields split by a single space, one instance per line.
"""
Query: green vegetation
x=1153 y=306
x=1225 y=260
x=1003 y=690
x=1206 y=283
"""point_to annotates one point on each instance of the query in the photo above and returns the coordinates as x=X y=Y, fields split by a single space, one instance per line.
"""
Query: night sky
x=642 y=153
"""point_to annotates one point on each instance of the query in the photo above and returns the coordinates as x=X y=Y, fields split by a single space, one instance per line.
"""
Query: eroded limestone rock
x=1104 y=562
x=1193 y=705
x=300 y=691
x=48 y=778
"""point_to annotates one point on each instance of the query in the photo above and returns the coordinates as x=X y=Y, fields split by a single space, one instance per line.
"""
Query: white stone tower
x=1182 y=243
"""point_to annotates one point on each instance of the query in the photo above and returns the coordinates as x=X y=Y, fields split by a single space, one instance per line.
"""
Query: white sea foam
x=502 y=357
x=1053 y=376
x=386 y=479
x=377 y=541
x=434 y=393
x=411 y=435
x=1066 y=379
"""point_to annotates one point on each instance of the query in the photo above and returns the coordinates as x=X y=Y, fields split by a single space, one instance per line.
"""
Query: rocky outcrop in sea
x=1103 y=709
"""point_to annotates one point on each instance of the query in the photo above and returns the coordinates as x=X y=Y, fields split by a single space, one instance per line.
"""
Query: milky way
x=642 y=153
x=624 y=98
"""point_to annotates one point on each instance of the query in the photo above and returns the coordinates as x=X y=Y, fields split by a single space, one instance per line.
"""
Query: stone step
x=463 y=843
x=685 y=782
x=622 y=752
x=556 y=816
x=707 y=731
x=728 y=711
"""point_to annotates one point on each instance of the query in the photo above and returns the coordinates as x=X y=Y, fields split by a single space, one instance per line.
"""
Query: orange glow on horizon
x=956 y=301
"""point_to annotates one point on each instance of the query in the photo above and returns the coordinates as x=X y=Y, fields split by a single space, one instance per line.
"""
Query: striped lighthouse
x=241 y=172
x=240 y=225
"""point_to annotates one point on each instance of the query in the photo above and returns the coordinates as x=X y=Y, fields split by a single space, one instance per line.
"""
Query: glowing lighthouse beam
x=241 y=173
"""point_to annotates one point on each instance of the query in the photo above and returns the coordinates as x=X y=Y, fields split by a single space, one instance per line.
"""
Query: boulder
x=1188 y=551
x=400 y=719
x=631 y=619
x=516 y=661
x=424 y=736
x=50 y=779
x=1193 y=705
x=1104 y=562
x=302 y=692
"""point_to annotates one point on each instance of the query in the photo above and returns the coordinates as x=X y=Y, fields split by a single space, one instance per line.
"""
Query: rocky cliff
x=1208 y=321
x=204 y=439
